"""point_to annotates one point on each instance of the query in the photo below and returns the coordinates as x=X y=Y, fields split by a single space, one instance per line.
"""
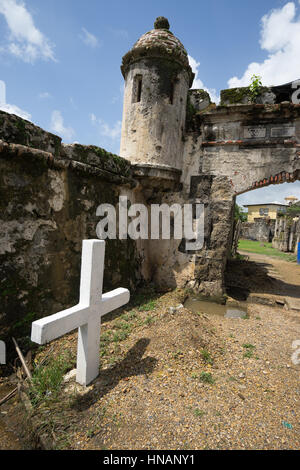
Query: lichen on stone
x=241 y=95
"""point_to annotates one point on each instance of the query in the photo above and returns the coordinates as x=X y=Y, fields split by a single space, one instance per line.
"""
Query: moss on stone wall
x=240 y=95
x=235 y=95
x=16 y=130
x=98 y=157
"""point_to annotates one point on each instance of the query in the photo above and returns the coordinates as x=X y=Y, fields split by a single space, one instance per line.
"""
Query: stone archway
x=236 y=148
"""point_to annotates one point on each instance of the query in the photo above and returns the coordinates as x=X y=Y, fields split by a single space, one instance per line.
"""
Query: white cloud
x=57 y=126
x=25 y=41
x=44 y=95
x=112 y=132
x=270 y=194
x=198 y=84
x=10 y=108
x=280 y=37
x=89 y=39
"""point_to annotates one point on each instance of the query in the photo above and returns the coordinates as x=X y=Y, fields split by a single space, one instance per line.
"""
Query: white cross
x=86 y=316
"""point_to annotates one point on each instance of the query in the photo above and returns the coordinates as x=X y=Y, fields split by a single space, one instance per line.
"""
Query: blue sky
x=60 y=59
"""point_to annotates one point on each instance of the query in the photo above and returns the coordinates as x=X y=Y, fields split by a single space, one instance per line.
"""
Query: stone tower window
x=137 y=89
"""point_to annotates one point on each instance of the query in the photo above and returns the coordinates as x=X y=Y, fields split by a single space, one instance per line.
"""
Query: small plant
x=249 y=350
x=148 y=306
x=47 y=380
x=106 y=336
x=199 y=413
x=120 y=336
x=206 y=377
x=123 y=325
x=248 y=354
x=254 y=87
x=206 y=356
x=194 y=375
x=91 y=433
x=132 y=315
x=149 y=320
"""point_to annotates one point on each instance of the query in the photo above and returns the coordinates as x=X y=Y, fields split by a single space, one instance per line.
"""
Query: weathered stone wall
x=262 y=230
x=49 y=194
x=287 y=234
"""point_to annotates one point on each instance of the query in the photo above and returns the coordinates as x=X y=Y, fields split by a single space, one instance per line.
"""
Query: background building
x=257 y=211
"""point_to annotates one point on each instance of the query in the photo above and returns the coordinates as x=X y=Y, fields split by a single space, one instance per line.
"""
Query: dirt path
x=280 y=269
x=285 y=275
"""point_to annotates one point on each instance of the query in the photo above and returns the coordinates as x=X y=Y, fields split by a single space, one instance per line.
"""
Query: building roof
x=159 y=42
x=275 y=203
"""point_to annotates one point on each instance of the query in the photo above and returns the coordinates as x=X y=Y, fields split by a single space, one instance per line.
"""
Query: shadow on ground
x=131 y=365
x=244 y=277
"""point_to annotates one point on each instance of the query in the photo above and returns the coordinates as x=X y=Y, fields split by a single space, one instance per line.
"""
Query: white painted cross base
x=86 y=316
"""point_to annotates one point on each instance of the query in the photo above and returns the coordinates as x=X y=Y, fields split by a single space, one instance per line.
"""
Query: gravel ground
x=183 y=380
x=252 y=404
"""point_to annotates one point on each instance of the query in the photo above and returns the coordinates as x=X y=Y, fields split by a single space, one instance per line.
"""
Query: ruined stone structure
x=176 y=147
x=262 y=230
x=287 y=234
x=220 y=152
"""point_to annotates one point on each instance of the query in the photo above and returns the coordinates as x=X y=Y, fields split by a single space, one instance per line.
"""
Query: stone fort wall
x=49 y=193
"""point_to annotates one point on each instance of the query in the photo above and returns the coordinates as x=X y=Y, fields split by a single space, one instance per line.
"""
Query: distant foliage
x=294 y=210
x=240 y=214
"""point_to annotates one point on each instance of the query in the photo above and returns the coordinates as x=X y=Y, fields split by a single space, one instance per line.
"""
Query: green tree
x=240 y=214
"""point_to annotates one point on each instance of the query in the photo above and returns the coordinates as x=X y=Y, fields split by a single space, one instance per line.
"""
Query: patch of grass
x=149 y=320
x=198 y=413
x=206 y=356
x=206 y=377
x=132 y=314
x=120 y=336
x=106 y=336
x=249 y=350
x=252 y=246
x=147 y=307
x=123 y=325
x=47 y=380
x=248 y=354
